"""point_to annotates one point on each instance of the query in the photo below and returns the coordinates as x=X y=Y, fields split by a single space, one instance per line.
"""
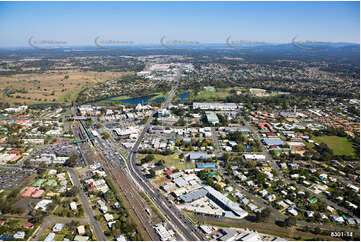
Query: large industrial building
x=230 y=208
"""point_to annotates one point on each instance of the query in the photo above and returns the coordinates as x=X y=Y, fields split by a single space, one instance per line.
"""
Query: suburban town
x=162 y=144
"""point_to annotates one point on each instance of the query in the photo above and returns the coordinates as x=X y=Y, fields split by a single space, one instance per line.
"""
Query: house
x=350 y=221
x=323 y=216
x=121 y=238
x=263 y=192
x=254 y=157
x=50 y=237
x=292 y=211
x=110 y=224
x=331 y=209
x=81 y=238
x=337 y=219
x=108 y=217
x=81 y=229
x=58 y=227
x=19 y=235
x=103 y=209
x=271 y=197
x=43 y=204
x=27 y=225
x=252 y=206
x=73 y=205
x=228 y=189
x=295 y=176
x=309 y=214
x=282 y=204
x=244 y=201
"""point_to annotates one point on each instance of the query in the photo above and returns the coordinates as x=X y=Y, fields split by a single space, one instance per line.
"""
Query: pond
x=183 y=96
x=137 y=100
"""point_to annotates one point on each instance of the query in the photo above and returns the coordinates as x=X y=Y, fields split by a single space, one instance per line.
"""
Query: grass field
x=159 y=95
x=120 y=98
x=171 y=161
x=339 y=145
x=219 y=94
x=50 y=87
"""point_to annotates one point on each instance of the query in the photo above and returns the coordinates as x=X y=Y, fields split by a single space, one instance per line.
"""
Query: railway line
x=129 y=193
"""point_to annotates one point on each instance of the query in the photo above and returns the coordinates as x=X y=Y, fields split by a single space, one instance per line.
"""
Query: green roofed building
x=49 y=182
x=38 y=182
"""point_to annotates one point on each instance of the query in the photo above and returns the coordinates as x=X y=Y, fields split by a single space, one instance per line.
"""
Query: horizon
x=144 y=23
x=160 y=45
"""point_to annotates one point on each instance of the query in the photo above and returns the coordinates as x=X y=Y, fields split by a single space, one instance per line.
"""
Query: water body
x=183 y=96
x=138 y=100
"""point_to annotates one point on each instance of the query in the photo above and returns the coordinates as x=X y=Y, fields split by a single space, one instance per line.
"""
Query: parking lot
x=10 y=178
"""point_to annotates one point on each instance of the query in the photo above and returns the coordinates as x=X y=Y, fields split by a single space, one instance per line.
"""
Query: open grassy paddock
x=339 y=145
x=59 y=87
x=171 y=161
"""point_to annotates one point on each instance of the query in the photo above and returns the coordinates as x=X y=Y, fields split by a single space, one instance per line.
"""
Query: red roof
x=28 y=225
x=169 y=171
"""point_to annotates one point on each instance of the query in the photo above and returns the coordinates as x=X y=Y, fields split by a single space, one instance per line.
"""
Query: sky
x=79 y=23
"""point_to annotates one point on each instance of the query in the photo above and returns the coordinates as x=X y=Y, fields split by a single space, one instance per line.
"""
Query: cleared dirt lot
x=60 y=87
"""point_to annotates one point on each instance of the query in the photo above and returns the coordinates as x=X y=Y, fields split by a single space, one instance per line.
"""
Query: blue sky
x=79 y=23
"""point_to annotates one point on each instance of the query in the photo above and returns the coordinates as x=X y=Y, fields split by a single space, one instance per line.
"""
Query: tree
x=27 y=163
x=152 y=173
x=72 y=161
x=148 y=158
x=73 y=191
x=263 y=215
x=290 y=222
x=106 y=135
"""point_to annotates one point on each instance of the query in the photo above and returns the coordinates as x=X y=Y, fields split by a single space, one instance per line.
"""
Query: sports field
x=339 y=145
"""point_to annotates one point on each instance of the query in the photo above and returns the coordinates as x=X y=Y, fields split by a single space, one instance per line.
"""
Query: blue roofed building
x=206 y=166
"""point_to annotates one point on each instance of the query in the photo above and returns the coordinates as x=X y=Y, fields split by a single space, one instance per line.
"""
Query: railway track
x=132 y=198
x=129 y=193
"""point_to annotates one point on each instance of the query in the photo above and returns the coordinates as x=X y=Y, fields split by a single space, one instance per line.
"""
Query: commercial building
x=225 y=203
x=162 y=232
x=192 y=196
x=212 y=118
x=273 y=141
x=215 y=106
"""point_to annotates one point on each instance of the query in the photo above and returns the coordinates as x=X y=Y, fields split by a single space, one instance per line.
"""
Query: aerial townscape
x=173 y=141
